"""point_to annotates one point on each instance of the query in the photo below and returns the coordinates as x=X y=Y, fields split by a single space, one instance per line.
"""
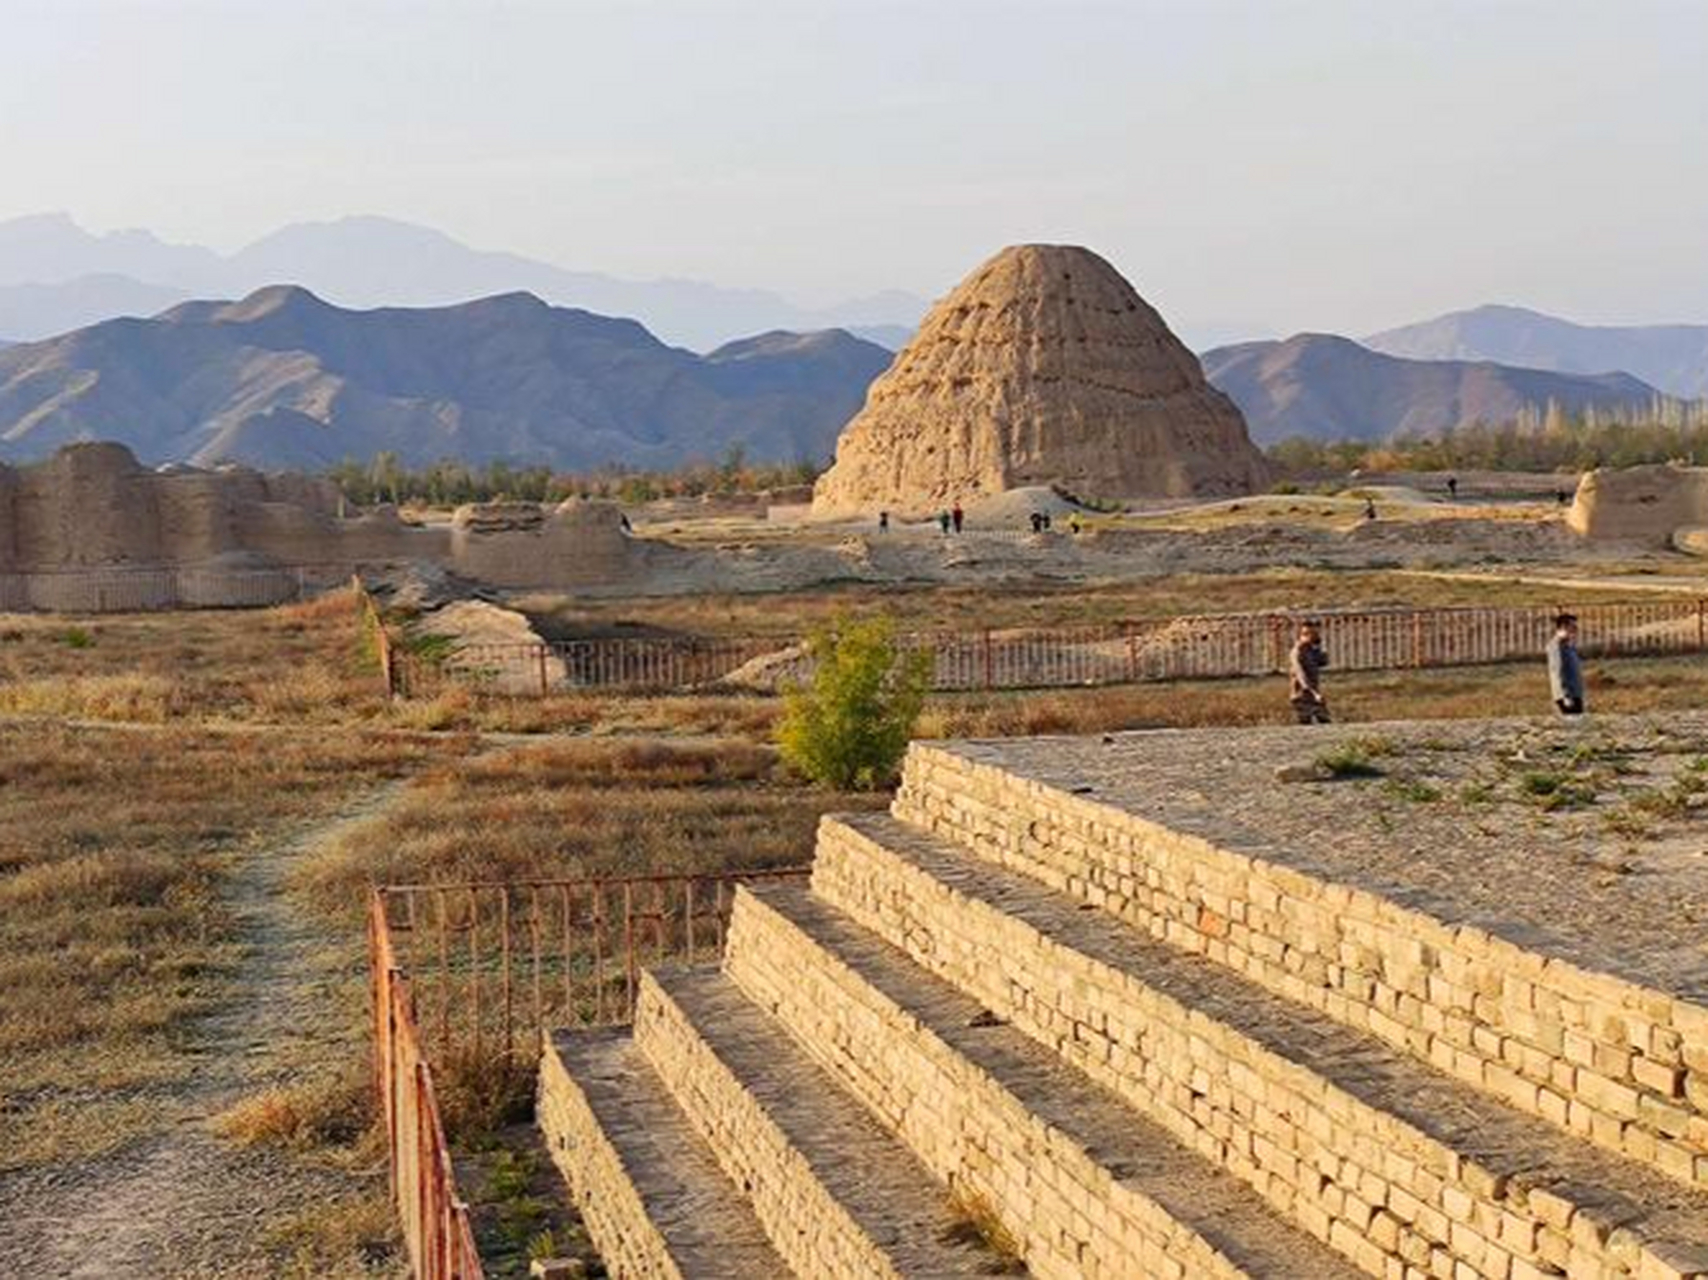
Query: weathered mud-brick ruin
x=92 y=529
x=1043 y=367
x=1063 y=1007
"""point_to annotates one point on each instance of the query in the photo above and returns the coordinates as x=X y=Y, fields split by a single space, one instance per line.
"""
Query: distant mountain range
x=55 y=276
x=285 y=379
x=1670 y=357
x=1331 y=388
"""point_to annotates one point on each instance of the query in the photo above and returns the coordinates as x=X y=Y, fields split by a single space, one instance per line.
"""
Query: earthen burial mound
x=1043 y=367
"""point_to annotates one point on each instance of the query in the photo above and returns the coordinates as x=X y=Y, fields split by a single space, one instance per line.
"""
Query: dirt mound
x=1044 y=367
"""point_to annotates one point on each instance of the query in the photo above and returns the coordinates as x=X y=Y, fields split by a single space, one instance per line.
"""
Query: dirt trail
x=185 y=1202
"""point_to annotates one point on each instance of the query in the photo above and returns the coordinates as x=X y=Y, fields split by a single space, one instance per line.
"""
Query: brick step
x=837 y=1195
x=653 y=1198
x=1389 y=1160
x=1604 y=1037
x=1084 y=1187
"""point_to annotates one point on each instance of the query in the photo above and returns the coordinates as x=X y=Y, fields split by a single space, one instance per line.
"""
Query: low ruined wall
x=577 y=543
x=1641 y=504
x=1613 y=1062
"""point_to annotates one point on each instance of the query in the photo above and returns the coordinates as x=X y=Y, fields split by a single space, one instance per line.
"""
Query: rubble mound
x=1043 y=367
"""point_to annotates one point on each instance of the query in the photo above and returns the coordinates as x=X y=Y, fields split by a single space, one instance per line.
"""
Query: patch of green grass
x=1350 y=759
x=1414 y=790
x=1550 y=789
x=77 y=638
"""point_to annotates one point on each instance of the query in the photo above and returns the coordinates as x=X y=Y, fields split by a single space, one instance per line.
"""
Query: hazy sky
x=1269 y=165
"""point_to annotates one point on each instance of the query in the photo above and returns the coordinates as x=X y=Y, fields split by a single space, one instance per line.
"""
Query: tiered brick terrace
x=1145 y=1006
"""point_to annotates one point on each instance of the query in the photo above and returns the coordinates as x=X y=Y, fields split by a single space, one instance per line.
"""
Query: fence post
x=1417 y=638
x=1701 y=624
x=545 y=685
x=989 y=659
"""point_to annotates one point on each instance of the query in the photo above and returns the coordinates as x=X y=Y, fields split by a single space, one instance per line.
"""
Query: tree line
x=1541 y=440
x=384 y=478
x=1546 y=439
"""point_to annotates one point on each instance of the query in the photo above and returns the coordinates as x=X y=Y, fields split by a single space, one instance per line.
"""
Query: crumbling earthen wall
x=578 y=543
x=1641 y=504
x=93 y=508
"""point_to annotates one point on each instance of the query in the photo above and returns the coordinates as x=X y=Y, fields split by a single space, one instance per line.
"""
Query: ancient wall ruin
x=1661 y=504
x=91 y=528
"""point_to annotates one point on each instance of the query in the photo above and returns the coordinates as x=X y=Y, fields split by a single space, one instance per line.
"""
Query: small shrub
x=77 y=638
x=977 y=1223
x=849 y=728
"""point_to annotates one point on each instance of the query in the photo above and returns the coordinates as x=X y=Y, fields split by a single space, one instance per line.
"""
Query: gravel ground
x=1587 y=840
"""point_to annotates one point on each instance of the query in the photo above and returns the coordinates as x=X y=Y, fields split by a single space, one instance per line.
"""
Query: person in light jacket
x=1565 y=667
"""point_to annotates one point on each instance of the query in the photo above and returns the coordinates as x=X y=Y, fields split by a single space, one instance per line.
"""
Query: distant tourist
x=883 y=522
x=1369 y=508
x=1565 y=667
x=1046 y=522
x=1560 y=497
x=958 y=516
x=1453 y=487
x=1073 y=523
x=943 y=521
x=1037 y=522
x=624 y=518
x=1305 y=668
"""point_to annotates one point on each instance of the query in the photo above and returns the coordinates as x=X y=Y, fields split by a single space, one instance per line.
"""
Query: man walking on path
x=957 y=515
x=1565 y=668
x=1305 y=668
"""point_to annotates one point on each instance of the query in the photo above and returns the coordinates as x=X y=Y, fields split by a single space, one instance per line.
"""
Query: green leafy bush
x=849 y=727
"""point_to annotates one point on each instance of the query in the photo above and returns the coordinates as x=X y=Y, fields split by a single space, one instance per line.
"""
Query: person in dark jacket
x=1305 y=671
x=1565 y=667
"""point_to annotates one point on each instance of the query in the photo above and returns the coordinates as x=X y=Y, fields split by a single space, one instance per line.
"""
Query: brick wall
x=1071 y=1217
x=814 y=1234
x=1617 y=1064
x=610 y=1205
x=1380 y=1191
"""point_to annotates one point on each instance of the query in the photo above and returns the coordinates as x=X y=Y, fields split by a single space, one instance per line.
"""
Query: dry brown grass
x=298 y=663
x=579 y=807
x=328 y=1109
x=1041 y=604
x=113 y=933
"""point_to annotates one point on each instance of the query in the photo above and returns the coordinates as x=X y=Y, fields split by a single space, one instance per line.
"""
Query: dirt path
x=187 y=1202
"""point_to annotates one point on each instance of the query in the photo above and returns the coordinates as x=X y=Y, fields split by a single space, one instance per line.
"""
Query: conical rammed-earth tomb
x=1043 y=367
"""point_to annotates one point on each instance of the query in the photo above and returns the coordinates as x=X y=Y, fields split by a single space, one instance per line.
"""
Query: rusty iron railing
x=437 y=1232
x=1209 y=646
x=479 y=971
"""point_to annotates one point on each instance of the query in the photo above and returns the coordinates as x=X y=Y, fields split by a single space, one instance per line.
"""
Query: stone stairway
x=1018 y=1024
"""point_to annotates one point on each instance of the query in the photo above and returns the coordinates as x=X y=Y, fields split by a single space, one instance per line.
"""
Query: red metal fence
x=484 y=969
x=1192 y=647
x=437 y=1232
